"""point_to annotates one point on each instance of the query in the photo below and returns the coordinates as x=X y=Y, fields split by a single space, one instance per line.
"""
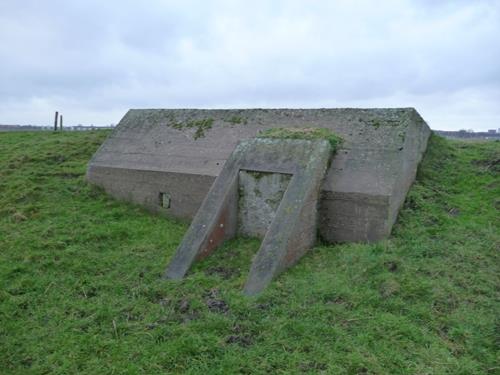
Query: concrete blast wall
x=167 y=159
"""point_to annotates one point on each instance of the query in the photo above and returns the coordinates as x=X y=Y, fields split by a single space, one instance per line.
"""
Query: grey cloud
x=96 y=59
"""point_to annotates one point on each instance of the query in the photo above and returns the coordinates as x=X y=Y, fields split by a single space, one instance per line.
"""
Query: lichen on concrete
x=260 y=194
x=379 y=122
x=201 y=125
x=237 y=120
x=303 y=133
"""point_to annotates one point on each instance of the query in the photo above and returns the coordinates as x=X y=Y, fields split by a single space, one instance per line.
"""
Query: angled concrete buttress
x=296 y=169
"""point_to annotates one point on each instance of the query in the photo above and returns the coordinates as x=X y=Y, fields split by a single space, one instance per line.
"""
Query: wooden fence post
x=55 y=121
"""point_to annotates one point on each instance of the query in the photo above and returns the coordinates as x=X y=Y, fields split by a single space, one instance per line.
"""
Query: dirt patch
x=215 y=303
x=392 y=266
x=223 y=272
x=243 y=341
x=493 y=185
x=68 y=175
x=490 y=164
x=313 y=366
x=178 y=310
x=338 y=300
x=240 y=337
x=18 y=217
x=264 y=306
x=389 y=288
x=183 y=306
x=56 y=158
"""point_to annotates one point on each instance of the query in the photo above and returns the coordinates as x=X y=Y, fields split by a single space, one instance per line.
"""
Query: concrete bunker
x=168 y=159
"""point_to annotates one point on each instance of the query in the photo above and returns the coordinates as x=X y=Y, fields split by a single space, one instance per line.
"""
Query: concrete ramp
x=267 y=188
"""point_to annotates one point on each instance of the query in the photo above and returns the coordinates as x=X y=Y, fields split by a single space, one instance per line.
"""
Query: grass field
x=80 y=287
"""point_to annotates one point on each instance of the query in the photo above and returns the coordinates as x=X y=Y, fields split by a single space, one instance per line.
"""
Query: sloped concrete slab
x=181 y=151
x=294 y=226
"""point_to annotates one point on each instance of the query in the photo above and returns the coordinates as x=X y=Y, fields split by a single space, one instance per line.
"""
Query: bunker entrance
x=259 y=195
x=268 y=188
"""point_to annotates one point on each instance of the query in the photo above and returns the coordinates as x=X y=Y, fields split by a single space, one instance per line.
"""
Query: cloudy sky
x=94 y=59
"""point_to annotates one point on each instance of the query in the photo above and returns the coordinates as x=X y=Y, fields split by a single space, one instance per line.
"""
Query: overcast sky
x=94 y=59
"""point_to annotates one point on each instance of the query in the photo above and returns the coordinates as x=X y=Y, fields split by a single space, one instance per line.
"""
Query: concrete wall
x=180 y=152
x=260 y=195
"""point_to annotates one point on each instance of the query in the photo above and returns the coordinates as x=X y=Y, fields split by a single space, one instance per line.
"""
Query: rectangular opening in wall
x=164 y=200
x=260 y=194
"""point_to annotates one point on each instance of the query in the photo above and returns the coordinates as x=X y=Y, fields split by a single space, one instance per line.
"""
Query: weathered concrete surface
x=294 y=171
x=153 y=151
x=260 y=195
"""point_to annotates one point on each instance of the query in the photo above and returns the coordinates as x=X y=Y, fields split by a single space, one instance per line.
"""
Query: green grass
x=80 y=287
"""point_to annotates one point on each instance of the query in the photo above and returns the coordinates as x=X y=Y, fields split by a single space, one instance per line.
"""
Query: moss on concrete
x=303 y=133
x=382 y=122
x=237 y=120
x=201 y=126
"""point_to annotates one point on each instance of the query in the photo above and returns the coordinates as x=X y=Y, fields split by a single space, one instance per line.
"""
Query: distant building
x=463 y=134
x=20 y=128
x=29 y=128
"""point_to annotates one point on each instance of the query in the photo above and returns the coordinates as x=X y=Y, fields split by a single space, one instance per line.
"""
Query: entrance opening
x=259 y=195
x=244 y=200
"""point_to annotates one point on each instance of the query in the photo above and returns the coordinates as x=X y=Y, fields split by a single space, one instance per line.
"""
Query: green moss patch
x=237 y=120
x=303 y=133
x=201 y=126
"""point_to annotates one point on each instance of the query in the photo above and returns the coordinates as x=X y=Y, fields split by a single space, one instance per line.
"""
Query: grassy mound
x=80 y=290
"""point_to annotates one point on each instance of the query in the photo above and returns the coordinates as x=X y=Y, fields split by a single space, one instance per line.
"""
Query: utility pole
x=60 y=122
x=55 y=121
